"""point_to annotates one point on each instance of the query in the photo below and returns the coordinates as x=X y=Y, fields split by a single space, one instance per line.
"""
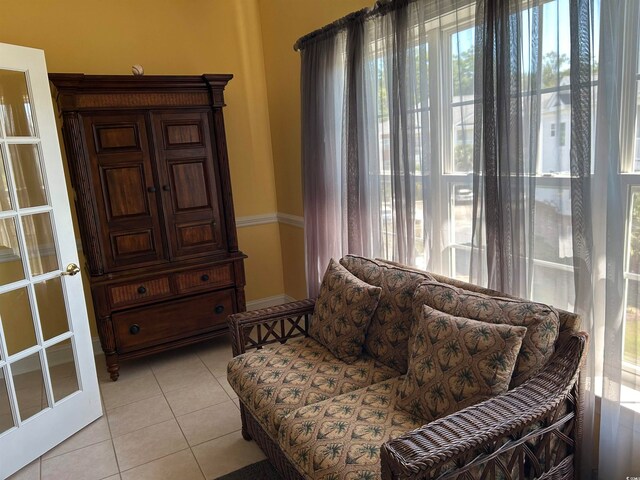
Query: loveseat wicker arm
x=257 y=328
x=520 y=422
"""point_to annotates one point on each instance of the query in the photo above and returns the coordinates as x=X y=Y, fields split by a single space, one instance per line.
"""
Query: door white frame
x=31 y=438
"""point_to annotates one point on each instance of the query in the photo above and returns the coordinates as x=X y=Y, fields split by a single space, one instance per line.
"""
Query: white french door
x=48 y=384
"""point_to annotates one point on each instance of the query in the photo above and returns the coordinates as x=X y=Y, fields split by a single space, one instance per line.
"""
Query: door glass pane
x=17 y=320
x=6 y=419
x=15 y=104
x=11 y=269
x=27 y=170
x=40 y=243
x=5 y=200
x=29 y=384
x=62 y=370
x=53 y=314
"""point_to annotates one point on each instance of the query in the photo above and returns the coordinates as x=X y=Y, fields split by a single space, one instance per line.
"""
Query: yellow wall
x=292 y=241
x=283 y=22
x=253 y=39
x=176 y=37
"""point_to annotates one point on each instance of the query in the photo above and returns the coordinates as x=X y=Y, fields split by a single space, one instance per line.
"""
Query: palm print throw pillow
x=456 y=362
x=342 y=312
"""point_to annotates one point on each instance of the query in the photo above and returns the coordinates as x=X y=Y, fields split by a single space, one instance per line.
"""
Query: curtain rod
x=331 y=28
x=380 y=7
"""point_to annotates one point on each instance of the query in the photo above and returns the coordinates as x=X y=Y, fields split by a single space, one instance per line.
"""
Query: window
x=631 y=350
x=441 y=123
x=630 y=183
x=443 y=128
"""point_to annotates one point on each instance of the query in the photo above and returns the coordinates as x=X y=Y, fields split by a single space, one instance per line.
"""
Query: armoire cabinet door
x=125 y=190
x=189 y=195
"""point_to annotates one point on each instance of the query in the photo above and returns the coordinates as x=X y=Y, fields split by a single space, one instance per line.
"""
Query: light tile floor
x=170 y=416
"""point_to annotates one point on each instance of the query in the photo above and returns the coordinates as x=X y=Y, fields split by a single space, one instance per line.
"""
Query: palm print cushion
x=343 y=311
x=456 y=362
x=569 y=322
x=275 y=381
x=340 y=438
x=541 y=320
x=388 y=335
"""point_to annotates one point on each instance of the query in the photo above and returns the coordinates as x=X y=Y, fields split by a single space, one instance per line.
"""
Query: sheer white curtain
x=324 y=171
x=613 y=370
x=378 y=161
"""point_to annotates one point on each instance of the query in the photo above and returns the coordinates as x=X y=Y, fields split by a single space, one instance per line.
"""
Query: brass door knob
x=72 y=269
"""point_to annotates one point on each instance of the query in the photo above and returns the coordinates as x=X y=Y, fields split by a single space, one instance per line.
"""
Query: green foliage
x=463 y=66
x=554 y=68
x=463 y=155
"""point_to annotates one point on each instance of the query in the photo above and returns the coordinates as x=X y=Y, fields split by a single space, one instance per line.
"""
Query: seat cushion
x=388 y=334
x=541 y=320
x=274 y=381
x=456 y=362
x=340 y=438
x=343 y=312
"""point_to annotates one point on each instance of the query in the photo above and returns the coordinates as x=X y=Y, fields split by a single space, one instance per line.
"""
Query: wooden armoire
x=148 y=162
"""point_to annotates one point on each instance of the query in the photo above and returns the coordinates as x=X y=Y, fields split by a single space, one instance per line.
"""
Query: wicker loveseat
x=317 y=417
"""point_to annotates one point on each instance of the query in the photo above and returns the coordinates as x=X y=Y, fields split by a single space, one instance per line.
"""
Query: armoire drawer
x=168 y=321
x=140 y=291
x=205 y=278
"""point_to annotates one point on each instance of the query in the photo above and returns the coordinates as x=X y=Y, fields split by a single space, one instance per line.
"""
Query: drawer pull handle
x=219 y=309
x=142 y=290
x=204 y=278
x=151 y=189
x=166 y=188
x=134 y=329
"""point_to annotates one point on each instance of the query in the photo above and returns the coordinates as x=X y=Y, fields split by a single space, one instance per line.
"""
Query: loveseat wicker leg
x=245 y=431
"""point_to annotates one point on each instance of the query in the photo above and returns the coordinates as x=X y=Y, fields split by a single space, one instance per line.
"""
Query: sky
x=554 y=14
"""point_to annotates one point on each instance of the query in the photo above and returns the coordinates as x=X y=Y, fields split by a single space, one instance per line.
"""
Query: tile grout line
x=106 y=417
x=164 y=394
x=109 y=426
x=232 y=401
x=180 y=426
x=113 y=445
x=151 y=461
x=173 y=413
